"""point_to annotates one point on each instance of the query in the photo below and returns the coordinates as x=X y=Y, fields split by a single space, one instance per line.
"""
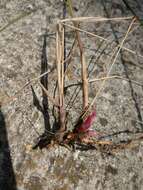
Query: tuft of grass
x=81 y=131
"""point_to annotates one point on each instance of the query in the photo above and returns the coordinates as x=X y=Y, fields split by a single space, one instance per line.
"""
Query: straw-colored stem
x=95 y=19
x=58 y=62
x=62 y=62
x=85 y=82
x=47 y=93
x=83 y=72
x=60 y=73
x=82 y=58
x=115 y=77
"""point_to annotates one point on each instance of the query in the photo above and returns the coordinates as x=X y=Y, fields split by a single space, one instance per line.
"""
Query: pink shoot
x=87 y=123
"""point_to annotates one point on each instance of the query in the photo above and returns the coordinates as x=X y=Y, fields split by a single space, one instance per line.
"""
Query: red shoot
x=87 y=123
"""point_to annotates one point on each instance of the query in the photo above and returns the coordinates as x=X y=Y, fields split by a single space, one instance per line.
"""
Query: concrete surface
x=119 y=107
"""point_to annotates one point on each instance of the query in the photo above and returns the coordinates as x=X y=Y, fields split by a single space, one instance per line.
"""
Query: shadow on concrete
x=7 y=177
x=44 y=139
x=44 y=108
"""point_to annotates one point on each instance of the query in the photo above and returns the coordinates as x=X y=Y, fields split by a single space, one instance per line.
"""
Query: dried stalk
x=95 y=19
x=60 y=73
x=116 y=77
x=82 y=57
x=47 y=93
x=84 y=80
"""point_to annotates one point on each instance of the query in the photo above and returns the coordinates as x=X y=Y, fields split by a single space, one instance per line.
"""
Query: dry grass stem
x=47 y=93
x=60 y=73
x=83 y=69
x=94 y=19
x=85 y=81
x=116 y=77
x=82 y=56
